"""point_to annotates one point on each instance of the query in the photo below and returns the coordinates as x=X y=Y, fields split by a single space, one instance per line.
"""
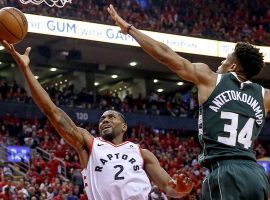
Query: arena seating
x=54 y=170
x=178 y=105
x=222 y=20
x=175 y=149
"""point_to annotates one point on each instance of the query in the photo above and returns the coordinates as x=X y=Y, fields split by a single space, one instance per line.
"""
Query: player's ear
x=232 y=68
x=124 y=127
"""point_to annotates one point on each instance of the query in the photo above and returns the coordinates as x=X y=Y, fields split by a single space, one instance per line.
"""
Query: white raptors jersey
x=115 y=172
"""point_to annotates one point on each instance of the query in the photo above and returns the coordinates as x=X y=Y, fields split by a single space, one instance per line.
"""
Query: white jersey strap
x=235 y=75
x=218 y=79
x=263 y=92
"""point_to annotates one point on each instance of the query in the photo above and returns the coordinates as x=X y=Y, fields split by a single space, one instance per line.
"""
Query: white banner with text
x=111 y=34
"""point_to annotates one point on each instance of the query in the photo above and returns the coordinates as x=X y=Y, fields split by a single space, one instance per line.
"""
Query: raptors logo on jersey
x=115 y=172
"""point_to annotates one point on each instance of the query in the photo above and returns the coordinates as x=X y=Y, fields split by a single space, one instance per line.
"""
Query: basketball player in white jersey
x=112 y=169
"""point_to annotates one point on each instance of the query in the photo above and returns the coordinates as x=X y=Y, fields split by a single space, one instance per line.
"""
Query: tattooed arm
x=78 y=138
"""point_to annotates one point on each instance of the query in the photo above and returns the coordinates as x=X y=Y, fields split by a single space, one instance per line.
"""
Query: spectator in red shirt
x=39 y=163
x=47 y=143
x=53 y=164
x=6 y=195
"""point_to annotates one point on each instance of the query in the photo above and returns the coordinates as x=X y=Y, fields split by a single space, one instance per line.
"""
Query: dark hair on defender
x=250 y=59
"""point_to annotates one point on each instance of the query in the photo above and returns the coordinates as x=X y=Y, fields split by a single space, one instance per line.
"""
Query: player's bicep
x=197 y=73
x=157 y=174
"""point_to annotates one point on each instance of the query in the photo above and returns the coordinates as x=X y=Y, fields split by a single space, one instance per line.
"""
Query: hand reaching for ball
x=22 y=60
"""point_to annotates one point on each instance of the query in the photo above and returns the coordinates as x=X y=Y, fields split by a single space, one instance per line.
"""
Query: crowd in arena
x=175 y=149
x=178 y=105
x=43 y=178
x=223 y=20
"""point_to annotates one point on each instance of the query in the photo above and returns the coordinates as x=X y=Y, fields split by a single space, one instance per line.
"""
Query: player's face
x=110 y=125
x=226 y=65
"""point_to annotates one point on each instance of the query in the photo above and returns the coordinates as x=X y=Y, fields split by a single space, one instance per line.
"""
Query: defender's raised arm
x=198 y=73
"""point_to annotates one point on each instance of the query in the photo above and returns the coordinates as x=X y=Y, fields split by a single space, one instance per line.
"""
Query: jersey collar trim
x=235 y=75
x=101 y=139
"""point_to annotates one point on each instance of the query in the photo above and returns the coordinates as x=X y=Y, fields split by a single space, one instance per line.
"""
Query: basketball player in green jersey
x=232 y=112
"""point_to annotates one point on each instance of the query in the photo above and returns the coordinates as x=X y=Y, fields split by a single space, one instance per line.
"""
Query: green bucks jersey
x=231 y=119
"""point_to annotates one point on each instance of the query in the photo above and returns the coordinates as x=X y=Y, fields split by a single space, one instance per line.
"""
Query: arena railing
x=62 y=169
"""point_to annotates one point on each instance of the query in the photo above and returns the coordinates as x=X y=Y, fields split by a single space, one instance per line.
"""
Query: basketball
x=13 y=25
x=184 y=184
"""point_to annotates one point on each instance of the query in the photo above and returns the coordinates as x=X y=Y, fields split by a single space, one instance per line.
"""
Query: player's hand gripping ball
x=183 y=184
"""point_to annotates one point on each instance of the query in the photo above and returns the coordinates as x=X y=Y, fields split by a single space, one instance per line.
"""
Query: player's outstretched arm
x=73 y=135
x=173 y=188
x=198 y=73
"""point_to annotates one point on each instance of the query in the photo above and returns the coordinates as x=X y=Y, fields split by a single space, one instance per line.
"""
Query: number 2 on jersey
x=244 y=137
x=117 y=175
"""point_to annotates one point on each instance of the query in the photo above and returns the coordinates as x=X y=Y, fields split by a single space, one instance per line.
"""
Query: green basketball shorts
x=236 y=180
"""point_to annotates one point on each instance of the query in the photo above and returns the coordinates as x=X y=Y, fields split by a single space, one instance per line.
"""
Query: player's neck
x=117 y=140
x=241 y=75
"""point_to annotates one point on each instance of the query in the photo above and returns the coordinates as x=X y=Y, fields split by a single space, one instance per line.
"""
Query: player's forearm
x=158 y=50
x=62 y=123
x=39 y=95
x=60 y=120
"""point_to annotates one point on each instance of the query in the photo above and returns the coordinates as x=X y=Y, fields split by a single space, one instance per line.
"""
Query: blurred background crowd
x=54 y=170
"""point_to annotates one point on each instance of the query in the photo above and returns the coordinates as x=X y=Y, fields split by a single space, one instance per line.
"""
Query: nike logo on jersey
x=100 y=144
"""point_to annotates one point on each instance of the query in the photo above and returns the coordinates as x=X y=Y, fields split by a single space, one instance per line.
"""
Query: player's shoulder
x=204 y=74
x=203 y=67
x=146 y=154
